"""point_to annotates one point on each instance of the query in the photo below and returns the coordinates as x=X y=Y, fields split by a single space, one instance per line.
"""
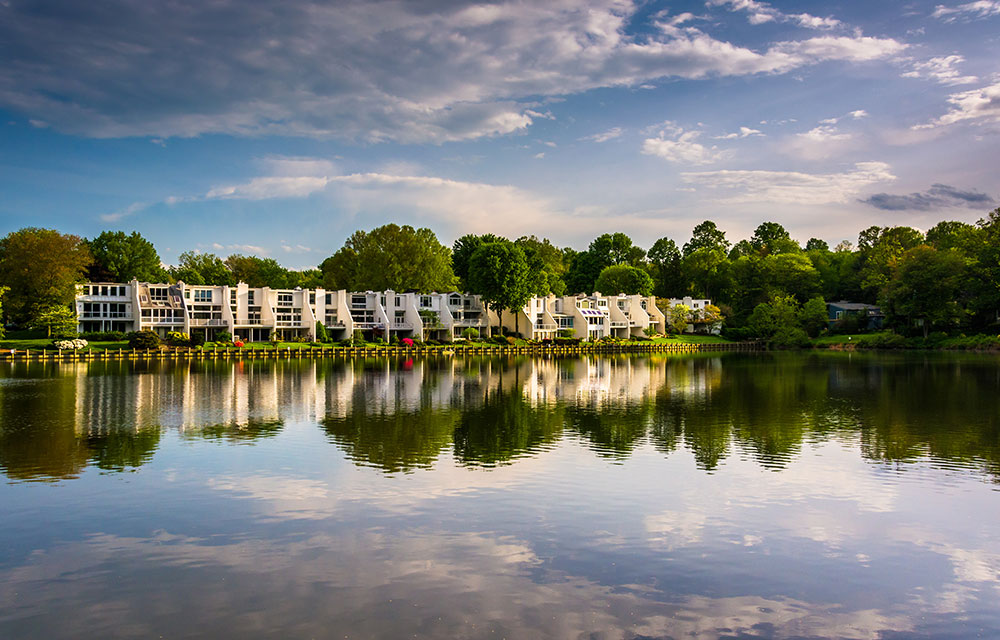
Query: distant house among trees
x=855 y=316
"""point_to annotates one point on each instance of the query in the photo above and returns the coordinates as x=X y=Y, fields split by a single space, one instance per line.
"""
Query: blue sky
x=279 y=128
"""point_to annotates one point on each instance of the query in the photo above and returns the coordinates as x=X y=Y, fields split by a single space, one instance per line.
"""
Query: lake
x=817 y=495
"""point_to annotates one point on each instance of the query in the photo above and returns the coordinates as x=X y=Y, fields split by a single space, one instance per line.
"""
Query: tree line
x=947 y=279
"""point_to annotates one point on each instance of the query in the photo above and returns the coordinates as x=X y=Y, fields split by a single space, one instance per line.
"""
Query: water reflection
x=820 y=495
x=57 y=419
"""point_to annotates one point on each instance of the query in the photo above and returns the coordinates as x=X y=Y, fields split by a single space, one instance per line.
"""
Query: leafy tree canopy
x=120 y=257
x=41 y=268
x=707 y=235
x=622 y=278
x=202 y=268
x=394 y=257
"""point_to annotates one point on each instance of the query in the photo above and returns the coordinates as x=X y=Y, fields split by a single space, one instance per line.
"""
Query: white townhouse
x=256 y=314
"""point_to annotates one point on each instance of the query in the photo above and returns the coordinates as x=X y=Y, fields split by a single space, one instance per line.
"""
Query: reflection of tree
x=503 y=428
x=119 y=449
x=239 y=432
x=614 y=431
x=393 y=441
x=38 y=440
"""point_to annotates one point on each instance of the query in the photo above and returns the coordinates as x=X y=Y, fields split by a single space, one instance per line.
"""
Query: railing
x=116 y=315
x=163 y=321
x=208 y=322
x=402 y=325
x=618 y=324
x=368 y=325
x=546 y=327
x=334 y=324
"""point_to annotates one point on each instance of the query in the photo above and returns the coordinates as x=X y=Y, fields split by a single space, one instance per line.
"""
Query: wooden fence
x=183 y=353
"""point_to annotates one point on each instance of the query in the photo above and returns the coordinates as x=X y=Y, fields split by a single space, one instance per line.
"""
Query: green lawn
x=836 y=339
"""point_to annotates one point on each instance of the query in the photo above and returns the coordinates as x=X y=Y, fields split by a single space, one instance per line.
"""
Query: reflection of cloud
x=675 y=529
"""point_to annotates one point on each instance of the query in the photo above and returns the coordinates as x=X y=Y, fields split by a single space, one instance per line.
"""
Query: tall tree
x=707 y=235
x=665 y=264
x=621 y=278
x=394 y=257
x=924 y=287
x=259 y=272
x=498 y=272
x=41 y=268
x=463 y=249
x=119 y=258
x=202 y=268
x=770 y=238
x=879 y=248
x=545 y=260
x=604 y=251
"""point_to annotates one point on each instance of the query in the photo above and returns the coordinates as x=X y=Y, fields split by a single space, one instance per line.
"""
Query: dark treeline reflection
x=397 y=416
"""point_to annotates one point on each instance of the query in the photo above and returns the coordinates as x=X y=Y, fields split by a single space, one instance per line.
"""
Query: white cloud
x=941 y=69
x=132 y=209
x=271 y=187
x=744 y=132
x=373 y=71
x=539 y=156
x=675 y=144
x=792 y=187
x=969 y=10
x=762 y=12
x=977 y=105
x=610 y=134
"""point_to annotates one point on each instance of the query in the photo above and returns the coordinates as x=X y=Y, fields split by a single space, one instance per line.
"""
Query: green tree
x=3 y=290
x=621 y=278
x=813 y=317
x=815 y=244
x=707 y=271
x=680 y=315
x=770 y=238
x=259 y=272
x=498 y=272
x=462 y=251
x=121 y=257
x=58 y=320
x=202 y=268
x=40 y=267
x=768 y=318
x=879 y=248
x=924 y=288
x=545 y=261
x=394 y=257
x=707 y=236
x=604 y=251
x=665 y=265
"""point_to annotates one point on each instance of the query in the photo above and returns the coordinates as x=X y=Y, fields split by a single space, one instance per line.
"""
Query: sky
x=278 y=128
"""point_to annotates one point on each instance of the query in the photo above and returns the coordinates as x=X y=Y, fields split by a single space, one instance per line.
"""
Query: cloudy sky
x=279 y=127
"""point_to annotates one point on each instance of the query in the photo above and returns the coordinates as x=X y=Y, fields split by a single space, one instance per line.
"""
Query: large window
x=158 y=294
x=203 y=295
x=425 y=301
x=284 y=299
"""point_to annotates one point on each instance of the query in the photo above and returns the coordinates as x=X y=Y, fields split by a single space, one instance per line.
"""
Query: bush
x=789 y=338
x=321 y=334
x=223 y=336
x=145 y=339
x=882 y=340
x=738 y=334
x=178 y=339
x=346 y=342
x=211 y=345
x=511 y=340
x=568 y=342
x=470 y=333
x=358 y=338
x=73 y=345
x=567 y=333
x=197 y=339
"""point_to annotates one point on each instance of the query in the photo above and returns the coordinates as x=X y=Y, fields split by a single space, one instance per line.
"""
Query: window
x=360 y=300
x=400 y=317
x=642 y=303
x=329 y=299
x=249 y=297
x=425 y=301
x=284 y=299
x=455 y=301
x=399 y=301
x=232 y=296
x=158 y=294
x=565 y=322
x=312 y=297
x=203 y=295
x=382 y=301
x=621 y=305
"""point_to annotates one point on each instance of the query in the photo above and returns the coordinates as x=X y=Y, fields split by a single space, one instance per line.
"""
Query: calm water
x=823 y=495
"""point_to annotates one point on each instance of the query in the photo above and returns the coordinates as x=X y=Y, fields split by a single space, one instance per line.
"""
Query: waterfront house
x=869 y=317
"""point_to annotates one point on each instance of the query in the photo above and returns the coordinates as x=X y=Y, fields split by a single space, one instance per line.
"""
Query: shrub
x=73 y=345
x=178 y=339
x=197 y=339
x=358 y=338
x=223 y=336
x=211 y=345
x=144 y=339
x=511 y=340
x=346 y=342
x=321 y=334
x=789 y=338
x=471 y=333
x=881 y=340
x=432 y=342
x=567 y=333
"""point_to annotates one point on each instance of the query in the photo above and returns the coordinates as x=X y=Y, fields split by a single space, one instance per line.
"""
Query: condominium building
x=257 y=313
x=592 y=317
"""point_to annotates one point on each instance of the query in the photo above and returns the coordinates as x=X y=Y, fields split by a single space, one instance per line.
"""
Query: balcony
x=106 y=316
x=208 y=322
x=546 y=327
x=163 y=321
x=402 y=325
x=368 y=325
x=619 y=324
